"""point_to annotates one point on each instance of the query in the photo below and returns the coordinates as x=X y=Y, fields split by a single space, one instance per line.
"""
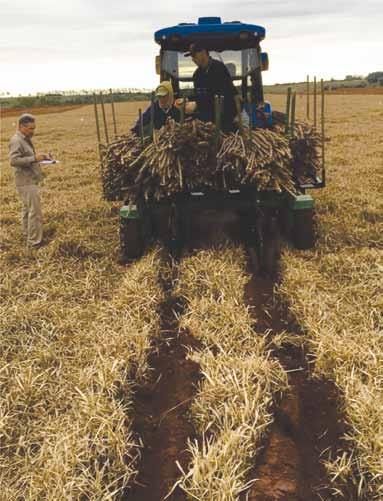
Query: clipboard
x=49 y=162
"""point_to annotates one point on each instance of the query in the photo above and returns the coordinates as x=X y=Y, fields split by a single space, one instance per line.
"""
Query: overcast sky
x=81 y=44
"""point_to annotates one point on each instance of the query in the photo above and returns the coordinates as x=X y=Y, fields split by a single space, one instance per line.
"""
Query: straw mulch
x=69 y=359
x=339 y=303
x=306 y=147
x=336 y=292
x=232 y=409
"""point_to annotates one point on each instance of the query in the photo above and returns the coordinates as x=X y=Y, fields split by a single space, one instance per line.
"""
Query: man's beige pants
x=31 y=215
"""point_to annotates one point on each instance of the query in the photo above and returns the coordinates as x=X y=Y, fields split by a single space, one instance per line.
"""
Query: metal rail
x=113 y=113
x=104 y=118
x=290 y=122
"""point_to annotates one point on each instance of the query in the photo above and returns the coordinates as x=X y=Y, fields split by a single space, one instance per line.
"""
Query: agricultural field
x=196 y=379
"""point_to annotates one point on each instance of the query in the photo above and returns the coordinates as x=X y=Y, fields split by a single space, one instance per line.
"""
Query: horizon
x=135 y=90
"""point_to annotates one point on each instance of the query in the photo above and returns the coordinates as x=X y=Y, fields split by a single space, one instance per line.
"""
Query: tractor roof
x=213 y=33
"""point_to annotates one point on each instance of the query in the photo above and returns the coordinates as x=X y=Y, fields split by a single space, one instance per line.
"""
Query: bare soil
x=307 y=420
x=39 y=110
x=161 y=410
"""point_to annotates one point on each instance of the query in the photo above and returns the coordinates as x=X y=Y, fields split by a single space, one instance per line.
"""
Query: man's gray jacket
x=22 y=158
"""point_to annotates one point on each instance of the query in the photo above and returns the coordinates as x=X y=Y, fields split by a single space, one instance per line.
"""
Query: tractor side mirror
x=158 y=65
x=264 y=61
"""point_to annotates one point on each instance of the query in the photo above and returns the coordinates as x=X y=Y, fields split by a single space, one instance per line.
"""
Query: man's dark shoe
x=39 y=245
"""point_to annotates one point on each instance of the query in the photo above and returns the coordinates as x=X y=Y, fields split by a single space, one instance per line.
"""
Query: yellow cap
x=164 y=89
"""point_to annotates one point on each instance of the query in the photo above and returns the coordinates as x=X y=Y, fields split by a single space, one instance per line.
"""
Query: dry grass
x=208 y=281
x=66 y=383
x=75 y=334
x=232 y=408
x=338 y=299
x=336 y=291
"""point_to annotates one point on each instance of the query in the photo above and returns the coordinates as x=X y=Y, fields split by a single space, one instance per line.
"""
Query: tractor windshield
x=240 y=63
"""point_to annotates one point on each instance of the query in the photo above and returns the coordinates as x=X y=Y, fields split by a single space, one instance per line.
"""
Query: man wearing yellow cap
x=163 y=108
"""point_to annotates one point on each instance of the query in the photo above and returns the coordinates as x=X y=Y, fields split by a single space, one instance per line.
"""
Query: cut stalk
x=239 y=111
x=141 y=125
x=315 y=102
x=288 y=101
x=217 y=118
x=97 y=126
x=152 y=115
x=293 y=102
x=113 y=113
x=182 y=111
x=96 y=118
x=104 y=118
x=323 y=132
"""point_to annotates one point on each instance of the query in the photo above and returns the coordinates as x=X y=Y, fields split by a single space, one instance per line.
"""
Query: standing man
x=28 y=174
x=210 y=79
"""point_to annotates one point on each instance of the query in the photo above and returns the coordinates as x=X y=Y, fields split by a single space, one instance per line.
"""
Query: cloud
x=278 y=9
x=93 y=42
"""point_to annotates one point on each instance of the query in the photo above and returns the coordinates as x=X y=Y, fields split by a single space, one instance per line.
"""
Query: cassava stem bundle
x=305 y=145
x=262 y=158
x=190 y=155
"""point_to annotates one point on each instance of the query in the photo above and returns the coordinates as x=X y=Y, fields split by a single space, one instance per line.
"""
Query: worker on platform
x=163 y=109
x=211 y=78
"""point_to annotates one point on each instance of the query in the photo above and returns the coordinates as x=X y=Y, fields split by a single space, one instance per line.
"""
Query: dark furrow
x=307 y=420
x=161 y=408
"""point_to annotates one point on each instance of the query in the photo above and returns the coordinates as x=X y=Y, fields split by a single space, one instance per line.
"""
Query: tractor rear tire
x=131 y=239
x=303 y=234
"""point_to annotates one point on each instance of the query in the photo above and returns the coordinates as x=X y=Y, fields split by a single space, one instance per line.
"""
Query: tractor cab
x=234 y=43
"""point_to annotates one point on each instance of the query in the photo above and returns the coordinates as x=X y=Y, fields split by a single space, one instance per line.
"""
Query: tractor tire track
x=307 y=420
x=161 y=407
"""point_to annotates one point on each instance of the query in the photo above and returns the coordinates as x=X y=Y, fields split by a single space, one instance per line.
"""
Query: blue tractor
x=263 y=216
x=236 y=44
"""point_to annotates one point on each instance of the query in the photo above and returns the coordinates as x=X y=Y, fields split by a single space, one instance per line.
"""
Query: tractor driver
x=211 y=78
x=163 y=109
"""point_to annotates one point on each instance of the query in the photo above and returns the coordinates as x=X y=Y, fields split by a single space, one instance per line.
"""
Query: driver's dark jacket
x=160 y=116
x=215 y=80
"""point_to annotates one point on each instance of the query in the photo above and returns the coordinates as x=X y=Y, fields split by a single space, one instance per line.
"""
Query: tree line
x=58 y=99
